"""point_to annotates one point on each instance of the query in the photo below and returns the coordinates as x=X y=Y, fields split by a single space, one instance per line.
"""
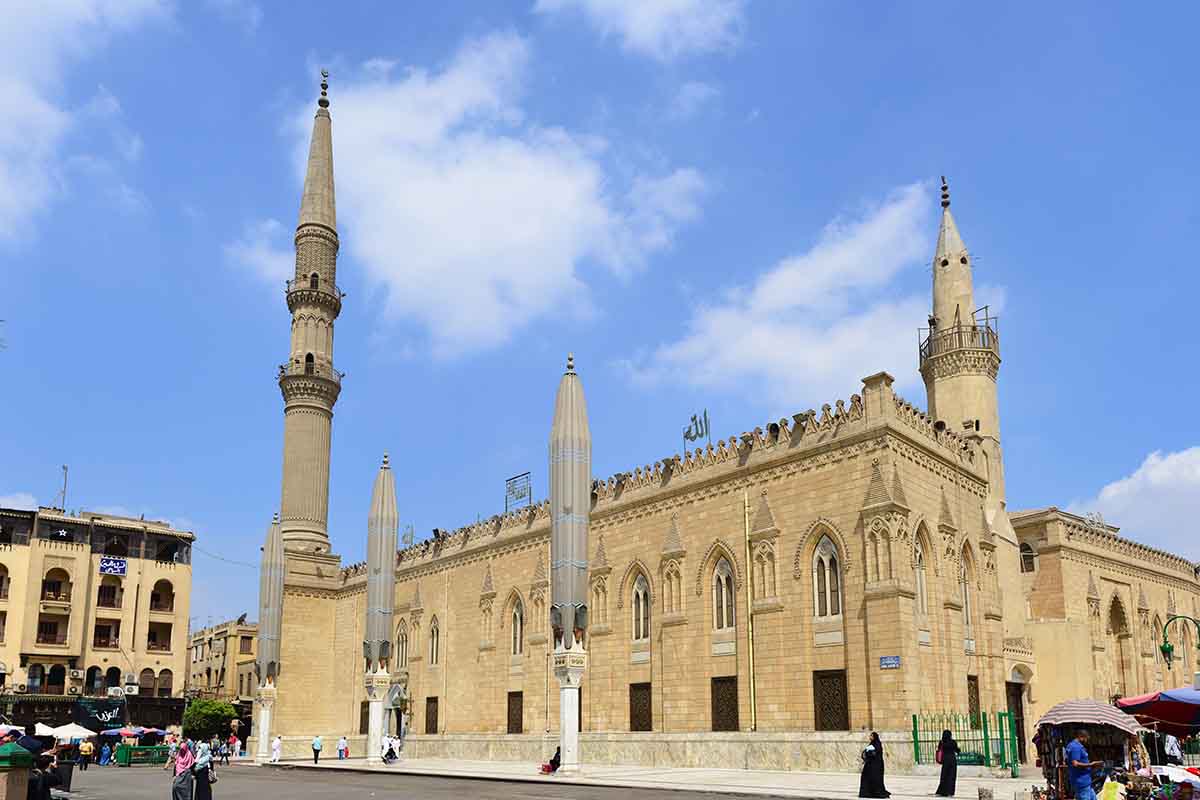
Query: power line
x=223 y=558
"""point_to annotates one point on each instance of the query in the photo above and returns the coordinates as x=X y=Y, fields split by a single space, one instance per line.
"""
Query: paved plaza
x=454 y=780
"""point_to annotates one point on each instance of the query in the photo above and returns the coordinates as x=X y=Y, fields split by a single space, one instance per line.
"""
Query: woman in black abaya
x=948 y=750
x=871 y=782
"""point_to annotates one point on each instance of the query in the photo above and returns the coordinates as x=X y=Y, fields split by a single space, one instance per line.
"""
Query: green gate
x=983 y=739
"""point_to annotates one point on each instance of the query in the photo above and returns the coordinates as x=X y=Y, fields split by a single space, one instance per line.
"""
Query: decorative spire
x=945 y=191
x=317 y=205
x=764 y=520
x=946 y=519
x=1093 y=593
x=601 y=559
x=323 y=102
x=571 y=363
x=270 y=604
x=382 y=522
x=877 y=492
x=570 y=509
x=898 y=495
x=488 y=589
x=539 y=572
x=673 y=543
x=385 y=461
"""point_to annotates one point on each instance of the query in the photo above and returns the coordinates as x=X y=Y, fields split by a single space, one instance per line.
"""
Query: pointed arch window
x=402 y=648
x=599 y=608
x=641 y=609
x=919 y=569
x=827 y=579
x=310 y=365
x=434 y=641
x=314 y=281
x=964 y=581
x=723 y=608
x=518 y=629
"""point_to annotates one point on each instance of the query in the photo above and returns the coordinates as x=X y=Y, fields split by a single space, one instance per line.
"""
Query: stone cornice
x=1121 y=567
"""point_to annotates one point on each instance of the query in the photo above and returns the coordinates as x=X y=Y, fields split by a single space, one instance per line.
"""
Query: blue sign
x=112 y=566
x=889 y=662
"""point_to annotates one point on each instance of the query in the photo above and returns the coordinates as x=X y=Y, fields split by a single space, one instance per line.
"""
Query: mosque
x=760 y=602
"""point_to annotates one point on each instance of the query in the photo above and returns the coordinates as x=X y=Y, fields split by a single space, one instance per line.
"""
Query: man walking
x=1079 y=768
x=316 y=746
x=86 y=748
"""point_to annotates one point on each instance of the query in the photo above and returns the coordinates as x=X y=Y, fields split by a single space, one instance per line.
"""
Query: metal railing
x=318 y=369
x=305 y=285
x=960 y=337
x=158 y=647
x=57 y=597
x=112 y=643
x=984 y=739
x=168 y=607
x=48 y=638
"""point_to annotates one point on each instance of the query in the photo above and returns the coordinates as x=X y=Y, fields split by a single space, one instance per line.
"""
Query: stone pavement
x=814 y=785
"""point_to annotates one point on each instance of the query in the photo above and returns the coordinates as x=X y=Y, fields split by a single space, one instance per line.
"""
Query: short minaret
x=570 y=509
x=270 y=618
x=308 y=381
x=960 y=356
x=381 y=587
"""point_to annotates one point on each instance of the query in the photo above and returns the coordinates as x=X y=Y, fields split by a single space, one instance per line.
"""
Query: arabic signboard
x=518 y=490
x=889 y=662
x=99 y=714
x=112 y=566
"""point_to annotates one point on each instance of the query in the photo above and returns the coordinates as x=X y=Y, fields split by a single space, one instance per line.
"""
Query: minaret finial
x=276 y=517
x=570 y=362
x=945 y=193
x=323 y=102
x=385 y=460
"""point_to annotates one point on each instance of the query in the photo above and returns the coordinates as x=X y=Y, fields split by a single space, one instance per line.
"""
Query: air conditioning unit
x=131 y=689
x=76 y=674
x=19 y=688
x=73 y=690
x=113 y=691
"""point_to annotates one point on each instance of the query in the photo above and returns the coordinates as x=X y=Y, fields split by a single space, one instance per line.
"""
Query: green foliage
x=204 y=719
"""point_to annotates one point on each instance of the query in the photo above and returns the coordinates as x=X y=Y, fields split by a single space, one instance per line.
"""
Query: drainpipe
x=750 y=611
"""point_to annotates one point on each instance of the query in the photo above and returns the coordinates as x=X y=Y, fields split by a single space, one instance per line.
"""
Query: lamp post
x=1168 y=650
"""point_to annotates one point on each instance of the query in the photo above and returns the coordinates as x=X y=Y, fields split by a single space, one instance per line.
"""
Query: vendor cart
x=1112 y=738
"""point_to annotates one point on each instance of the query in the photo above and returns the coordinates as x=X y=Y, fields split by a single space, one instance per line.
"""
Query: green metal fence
x=983 y=739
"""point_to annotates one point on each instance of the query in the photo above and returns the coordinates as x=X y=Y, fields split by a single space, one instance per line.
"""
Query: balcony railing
x=318 y=369
x=960 y=337
x=302 y=289
x=111 y=643
x=51 y=638
x=56 y=597
x=167 y=606
x=158 y=647
x=108 y=602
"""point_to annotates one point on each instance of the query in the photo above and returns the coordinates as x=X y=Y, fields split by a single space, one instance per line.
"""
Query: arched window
x=827 y=580
x=162 y=597
x=764 y=571
x=166 y=683
x=56 y=680
x=599 y=608
x=116 y=544
x=1028 y=558
x=309 y=365
x=109 y=594
x=723 y=616
x=314 y=281
x=672 y=589
x=56 y=585
x=146 y=682
x=919 y=569
x=402 y=647
x=112 y=677
x=434 y=635
x=964 y=582
x=4 y=581
x=518 y=628
x=36 y=675
x=641 y=609
x=93 y=683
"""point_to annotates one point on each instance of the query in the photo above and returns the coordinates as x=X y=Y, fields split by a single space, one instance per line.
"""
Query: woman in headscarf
x=181 y=786
x=200 y=770
x=105 y=754
x=871 y=782
x=947 y=756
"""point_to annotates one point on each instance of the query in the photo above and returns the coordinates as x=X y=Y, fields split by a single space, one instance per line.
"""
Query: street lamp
x=1168 y=650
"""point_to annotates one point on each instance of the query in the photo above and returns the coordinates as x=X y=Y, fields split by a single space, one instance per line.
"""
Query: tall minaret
x=960 y=358
x=308 y=381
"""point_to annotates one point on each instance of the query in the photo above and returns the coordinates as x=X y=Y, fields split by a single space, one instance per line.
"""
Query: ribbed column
x=307 y=430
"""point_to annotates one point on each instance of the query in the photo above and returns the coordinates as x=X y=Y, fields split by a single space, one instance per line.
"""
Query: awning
x=1090 y=712
x=1174 y=711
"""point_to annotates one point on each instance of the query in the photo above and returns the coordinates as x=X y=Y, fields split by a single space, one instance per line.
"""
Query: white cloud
x=247 y=14
x=22 y=500
x=40 y=41
x=691 y=97
x=475 y=219
x=264 y=249
x=807 y=329
x=664 y=29
x=1157 y=505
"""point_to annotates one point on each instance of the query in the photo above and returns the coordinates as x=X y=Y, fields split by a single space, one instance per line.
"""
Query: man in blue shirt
x=1079 y=768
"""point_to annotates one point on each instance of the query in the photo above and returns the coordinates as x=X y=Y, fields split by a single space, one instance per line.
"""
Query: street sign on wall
x=112 y=566
x=889 y=662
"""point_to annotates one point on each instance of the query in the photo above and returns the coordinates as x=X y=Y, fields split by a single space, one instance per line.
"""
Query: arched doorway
x=1015 y=689
x=94 y=682
x=56 y=680
x=1122 y=647
x=112 y=678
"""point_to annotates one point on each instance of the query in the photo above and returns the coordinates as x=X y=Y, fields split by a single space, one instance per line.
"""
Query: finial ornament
x=570 y=362
x=323 y=102
x=945 y=193
x=385 y=460
x=276 y=517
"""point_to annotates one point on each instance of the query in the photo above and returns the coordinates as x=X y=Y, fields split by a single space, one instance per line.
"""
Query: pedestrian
x=182 y=783
x=389 y=750
x=86 y=748
x=43 y=776
x=1173 y=751
x=947 y=756
x=105 y=754
x=551 y=767
x=343 y=748
x=276 y=749
x=316 y=746
x=237 y=747
x=1079 y=767
x=870 y=784
x=201 y=771
x=223 y=753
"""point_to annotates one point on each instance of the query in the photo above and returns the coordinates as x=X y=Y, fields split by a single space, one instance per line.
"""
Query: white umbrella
x=72 y=731
x=41 y=729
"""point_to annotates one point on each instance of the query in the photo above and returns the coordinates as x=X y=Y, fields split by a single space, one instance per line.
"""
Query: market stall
x=1173 y=711
x=1112 y=739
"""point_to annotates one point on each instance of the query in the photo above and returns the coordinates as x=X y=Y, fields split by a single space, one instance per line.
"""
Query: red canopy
x=1173 y=711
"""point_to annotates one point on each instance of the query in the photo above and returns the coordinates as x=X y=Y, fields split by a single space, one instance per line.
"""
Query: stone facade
x=68 y=629
x=218 y=658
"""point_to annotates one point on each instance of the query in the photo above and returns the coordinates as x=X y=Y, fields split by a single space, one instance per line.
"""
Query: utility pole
x=63 y=505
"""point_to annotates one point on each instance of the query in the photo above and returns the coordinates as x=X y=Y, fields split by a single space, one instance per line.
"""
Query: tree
x=204 y=719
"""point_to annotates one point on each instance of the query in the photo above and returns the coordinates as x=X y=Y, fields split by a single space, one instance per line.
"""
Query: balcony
x=980 y=335
x=163 y=607
x=108 y=601
x=52 y=639
x=106 y=643
x=56 y=601
x=314 y=369
x=158 y=647
x=303 y=292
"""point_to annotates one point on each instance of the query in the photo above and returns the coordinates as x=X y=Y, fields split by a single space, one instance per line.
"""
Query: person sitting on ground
x=551 y=767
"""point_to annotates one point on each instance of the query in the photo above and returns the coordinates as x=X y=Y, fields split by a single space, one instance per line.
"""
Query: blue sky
x=723 y=205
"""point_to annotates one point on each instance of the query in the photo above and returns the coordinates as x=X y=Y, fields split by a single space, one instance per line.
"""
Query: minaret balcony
x=960 y=337
x=307 y=292
x=311 y=369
